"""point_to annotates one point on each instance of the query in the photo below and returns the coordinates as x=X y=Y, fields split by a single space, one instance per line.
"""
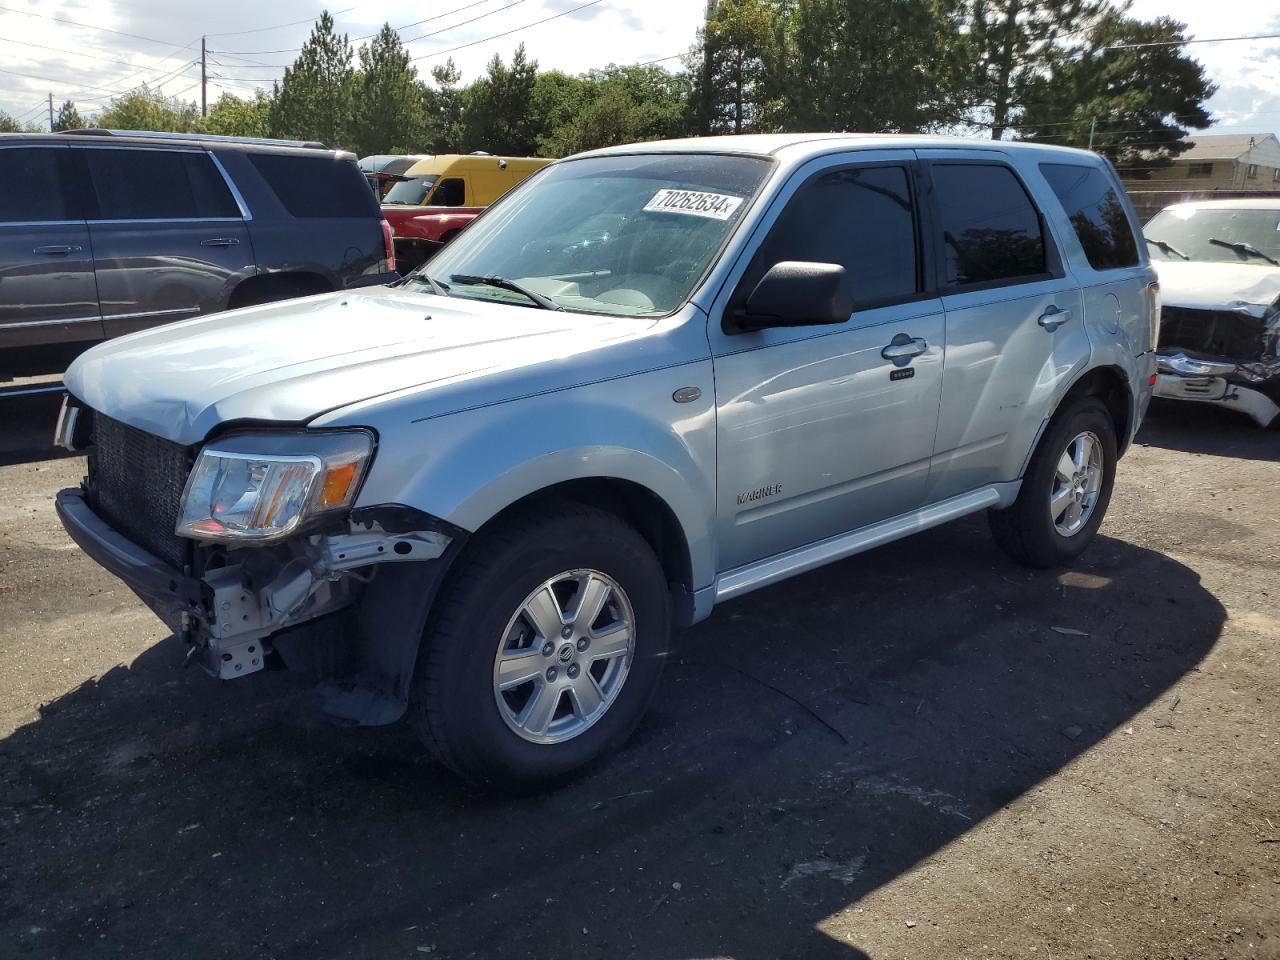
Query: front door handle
x=1053 y=318
x=903 y=348
x=58 y=249
x=220 y=242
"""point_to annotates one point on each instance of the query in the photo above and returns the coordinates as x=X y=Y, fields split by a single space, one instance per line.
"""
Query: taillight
x=389 y=241
x=1153 y=314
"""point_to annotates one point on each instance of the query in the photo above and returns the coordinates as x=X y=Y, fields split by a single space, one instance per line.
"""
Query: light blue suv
x=649 y=380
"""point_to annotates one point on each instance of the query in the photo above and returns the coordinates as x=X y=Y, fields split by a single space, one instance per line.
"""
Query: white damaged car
x=1219 y=266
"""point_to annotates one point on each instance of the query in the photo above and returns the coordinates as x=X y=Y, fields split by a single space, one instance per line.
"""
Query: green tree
x=871 y=65
x=9 y=124
x=443 y=105
x=390 y=103
x=498 y=116
x=233 y=116
x=612 y=106
x=68 y=118
x=1013 y=43
x=735 y=67
x=146 y=109
x=1135 y=105
x=316 y=98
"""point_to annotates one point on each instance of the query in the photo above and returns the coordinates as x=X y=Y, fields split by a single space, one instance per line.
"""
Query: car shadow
x=811 y=742
x=1204 y=428
x=26 y=429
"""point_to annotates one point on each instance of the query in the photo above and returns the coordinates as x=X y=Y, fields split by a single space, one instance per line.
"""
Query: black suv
x=107 y=232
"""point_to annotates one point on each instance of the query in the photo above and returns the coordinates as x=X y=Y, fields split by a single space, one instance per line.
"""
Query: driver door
x=818 y=432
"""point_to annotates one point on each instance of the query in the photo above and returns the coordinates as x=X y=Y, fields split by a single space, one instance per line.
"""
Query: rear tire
x=580 y=692
x=1065 y=491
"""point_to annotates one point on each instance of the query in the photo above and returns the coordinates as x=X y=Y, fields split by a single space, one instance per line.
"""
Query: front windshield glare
x=1189 y=230
x=412 y=191
x=624 y=235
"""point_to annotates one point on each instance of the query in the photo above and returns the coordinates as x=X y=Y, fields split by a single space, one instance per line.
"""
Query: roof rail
x=216 y=137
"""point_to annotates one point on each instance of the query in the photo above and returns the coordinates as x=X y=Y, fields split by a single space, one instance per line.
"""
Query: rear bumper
x=168 y=592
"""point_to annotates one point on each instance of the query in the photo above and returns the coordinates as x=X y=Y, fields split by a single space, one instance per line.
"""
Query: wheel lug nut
x=567 y=632
x=552 y=673
x=583 y=642
x=573 y=671
x=548 y=649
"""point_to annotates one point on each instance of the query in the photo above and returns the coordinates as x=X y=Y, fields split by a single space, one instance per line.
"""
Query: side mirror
x=798 y=294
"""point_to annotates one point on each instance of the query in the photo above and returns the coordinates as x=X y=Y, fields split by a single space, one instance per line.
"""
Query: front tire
x=546 y=648
x=1066 y=490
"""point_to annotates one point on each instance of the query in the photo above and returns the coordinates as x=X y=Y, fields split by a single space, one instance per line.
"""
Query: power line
x=454 y=26
x=75 y=53
x=88 y=26
x=507 y=33
x=278 y=26
x=1179 y=43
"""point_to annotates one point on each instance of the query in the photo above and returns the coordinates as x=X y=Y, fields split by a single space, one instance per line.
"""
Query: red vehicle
x=436 y=197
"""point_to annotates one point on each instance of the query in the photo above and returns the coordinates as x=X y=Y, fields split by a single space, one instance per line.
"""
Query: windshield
x=625 y=235
x=1190 y=230
x=411 y=191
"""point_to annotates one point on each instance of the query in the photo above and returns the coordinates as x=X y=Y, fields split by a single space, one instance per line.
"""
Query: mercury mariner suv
x=649 y=380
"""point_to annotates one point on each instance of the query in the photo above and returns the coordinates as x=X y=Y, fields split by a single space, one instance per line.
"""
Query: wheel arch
x=1111 y=385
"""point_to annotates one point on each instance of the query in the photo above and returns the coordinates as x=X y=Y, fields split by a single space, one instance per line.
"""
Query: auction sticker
x=714 y=206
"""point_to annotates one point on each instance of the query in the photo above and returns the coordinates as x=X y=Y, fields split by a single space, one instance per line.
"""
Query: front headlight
x=263 y=486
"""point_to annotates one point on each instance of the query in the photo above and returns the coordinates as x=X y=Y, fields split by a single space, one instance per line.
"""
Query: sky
x=113 y=45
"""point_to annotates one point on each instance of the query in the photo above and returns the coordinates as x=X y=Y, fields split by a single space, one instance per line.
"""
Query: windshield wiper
x=502 y=283
x=1166 y=248
x=1243 y=247
x=436 y=286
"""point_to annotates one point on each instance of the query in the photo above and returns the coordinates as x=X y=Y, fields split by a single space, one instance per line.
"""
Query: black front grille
x=1214 y=333
x=135 y=484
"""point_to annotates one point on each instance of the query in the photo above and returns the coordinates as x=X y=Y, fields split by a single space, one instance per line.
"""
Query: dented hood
x=1205 y=285
x=290 y=362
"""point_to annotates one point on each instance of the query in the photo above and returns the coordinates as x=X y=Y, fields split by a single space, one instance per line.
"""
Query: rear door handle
x=220 y=242
x=903 y=348
x=1053 y=318
x=58 y=249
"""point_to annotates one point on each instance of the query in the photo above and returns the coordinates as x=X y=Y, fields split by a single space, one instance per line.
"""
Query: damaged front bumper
x=1251 y=388
x=230 y=611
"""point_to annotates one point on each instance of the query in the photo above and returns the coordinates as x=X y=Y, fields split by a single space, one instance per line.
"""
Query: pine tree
x=390 y=112
x=735 y=67
x=444 y=104
x=316 y=98
x=68 y=118
x=498 y=116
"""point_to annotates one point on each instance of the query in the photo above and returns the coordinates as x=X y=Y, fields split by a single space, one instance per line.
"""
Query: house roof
x=1225 y=146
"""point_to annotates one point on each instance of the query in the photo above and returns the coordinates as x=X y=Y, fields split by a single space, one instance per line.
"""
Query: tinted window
x=450 y=193
x=1096 y=213
x=316 y=186
x=32 y=186
x=860 y=218
x=157 y=185
x=990 y=229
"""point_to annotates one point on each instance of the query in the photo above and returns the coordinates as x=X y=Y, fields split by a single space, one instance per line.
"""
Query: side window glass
x=450 y=193
x=990 y=227
x=861 y=218
x=33 y=188
x=157 y=185
x=1096 y=214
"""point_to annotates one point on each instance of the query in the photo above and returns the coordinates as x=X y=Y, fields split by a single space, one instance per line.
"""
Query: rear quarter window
x=317 y=187
x=1096 y=213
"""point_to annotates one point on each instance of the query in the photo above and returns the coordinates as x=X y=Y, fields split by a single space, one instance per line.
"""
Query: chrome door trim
x=41 y=223
x=761 y=573
x=150 y=313
x=49 y=323
x=245 y=213
x=123 y=222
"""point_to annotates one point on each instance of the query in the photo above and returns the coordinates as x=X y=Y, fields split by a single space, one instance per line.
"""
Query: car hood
x=1241 y=287
x=291 y=362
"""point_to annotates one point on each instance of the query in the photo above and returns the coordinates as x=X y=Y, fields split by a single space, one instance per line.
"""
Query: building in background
x=1220 y=166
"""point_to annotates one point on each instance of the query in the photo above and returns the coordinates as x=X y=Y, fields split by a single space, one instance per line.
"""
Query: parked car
x=384 y=171
x=438 y=196
x=104 y=233
x=1219 y=266
x=647 y=381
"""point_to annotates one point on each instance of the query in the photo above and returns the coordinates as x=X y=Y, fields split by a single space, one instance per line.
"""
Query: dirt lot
x=896 y=757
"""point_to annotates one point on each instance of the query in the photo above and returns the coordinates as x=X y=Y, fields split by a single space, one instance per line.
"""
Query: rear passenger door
x=818 y=432
x=47 y=293
x=168 y=234
x=1014 y=322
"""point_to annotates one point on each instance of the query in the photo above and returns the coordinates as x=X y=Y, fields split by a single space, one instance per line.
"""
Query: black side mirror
x=795 y=293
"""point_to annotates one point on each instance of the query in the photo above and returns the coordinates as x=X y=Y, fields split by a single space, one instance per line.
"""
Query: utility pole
x=707 y=64
x=1093 y=126
x=204 y=100
x=51 y=113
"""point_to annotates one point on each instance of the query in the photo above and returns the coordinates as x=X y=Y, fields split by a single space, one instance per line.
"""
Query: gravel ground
x=923 y=752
